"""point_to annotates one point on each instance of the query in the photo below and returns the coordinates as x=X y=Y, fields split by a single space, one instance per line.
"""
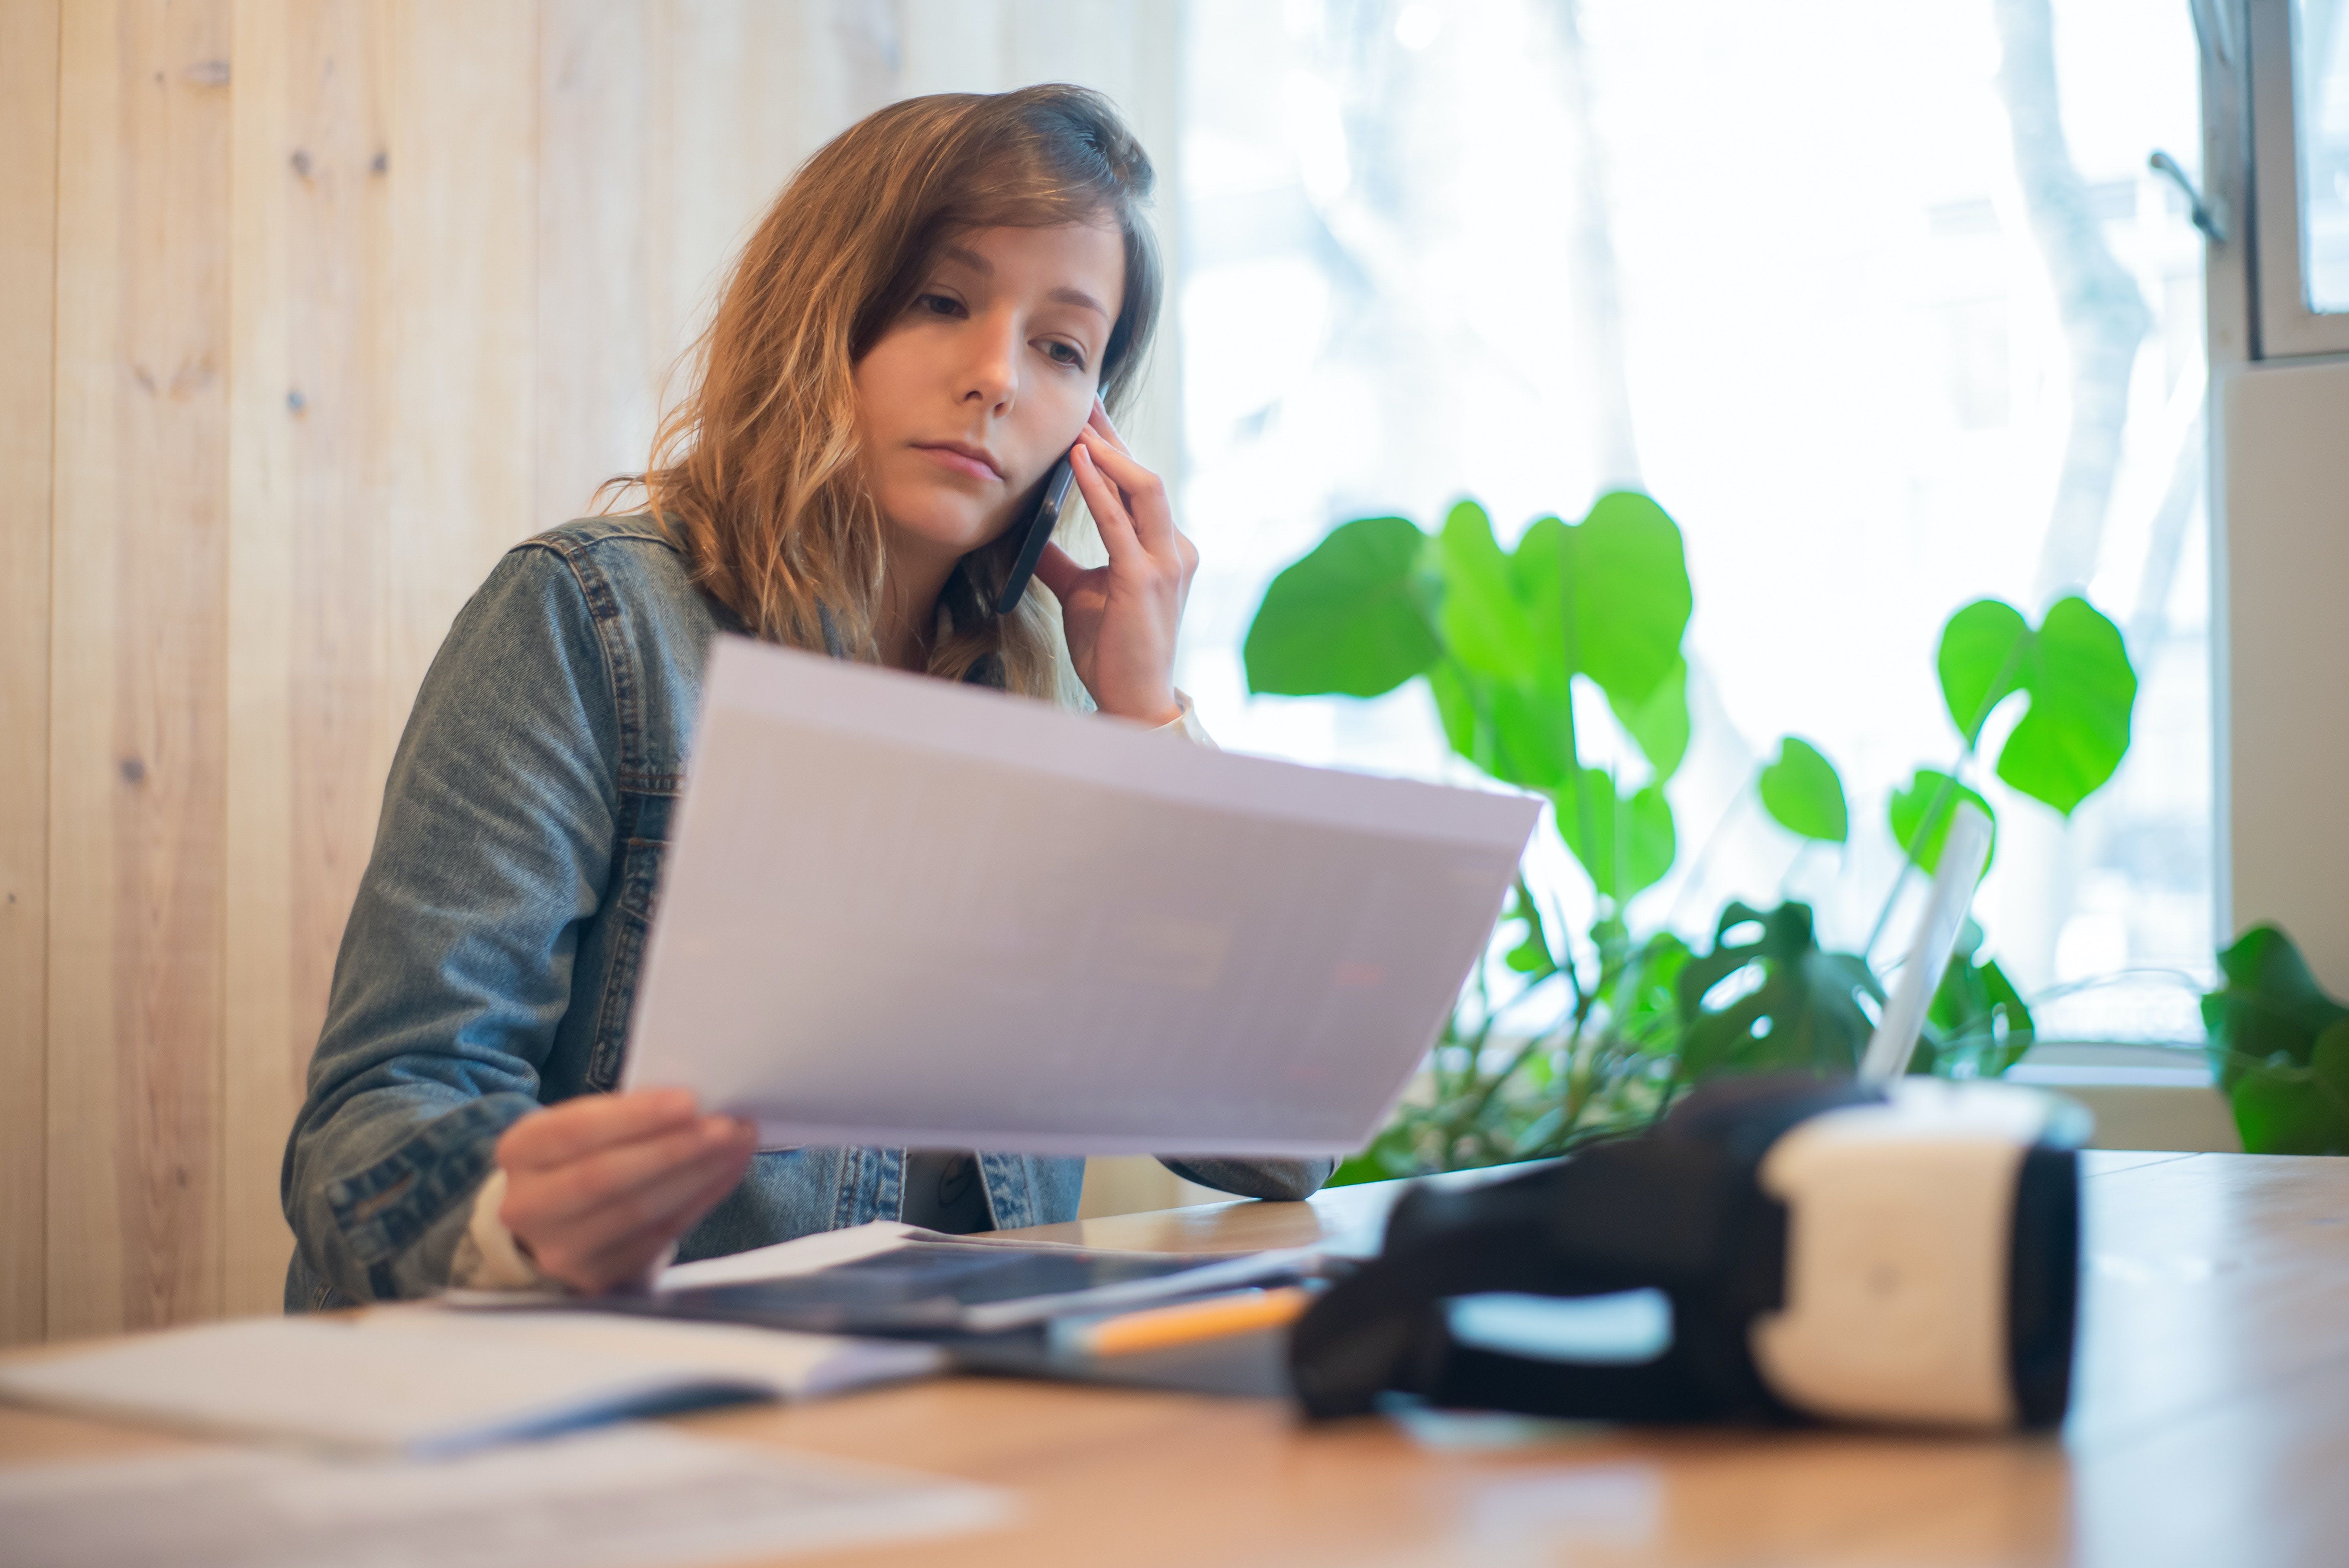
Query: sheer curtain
x=1880 y=302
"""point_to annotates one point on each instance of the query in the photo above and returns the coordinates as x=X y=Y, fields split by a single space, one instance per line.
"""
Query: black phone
x=1040 y=529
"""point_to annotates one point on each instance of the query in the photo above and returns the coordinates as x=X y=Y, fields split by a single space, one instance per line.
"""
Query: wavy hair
x=758 y=472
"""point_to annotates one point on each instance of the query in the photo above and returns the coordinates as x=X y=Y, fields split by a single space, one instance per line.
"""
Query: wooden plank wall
x=309 y=308
x=28 y=253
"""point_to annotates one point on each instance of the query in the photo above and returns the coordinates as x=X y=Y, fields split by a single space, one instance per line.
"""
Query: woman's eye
x=1064 y=353
x=938 y=304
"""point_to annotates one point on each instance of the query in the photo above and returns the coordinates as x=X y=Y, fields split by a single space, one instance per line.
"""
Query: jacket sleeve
x=493 y=847
x=1291 y=1181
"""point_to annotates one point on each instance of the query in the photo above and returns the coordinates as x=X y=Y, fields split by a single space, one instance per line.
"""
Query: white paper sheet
x=424 y=1380
x=903 y=912
x=615 y=1498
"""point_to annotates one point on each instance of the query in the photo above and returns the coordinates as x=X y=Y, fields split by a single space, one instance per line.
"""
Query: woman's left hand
x=1122 y=619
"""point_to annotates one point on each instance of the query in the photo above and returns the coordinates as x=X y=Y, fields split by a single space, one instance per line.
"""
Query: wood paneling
x=343 y=299
x=384 y=338
x=28 y=235
x=604 y=340
x=138 y=723
x=308 y=467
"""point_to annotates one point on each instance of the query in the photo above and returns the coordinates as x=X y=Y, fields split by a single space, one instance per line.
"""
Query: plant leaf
x=1980 y=662
x=1484 y=623
x=2279 y=1047
x=1930 y=789
x=1628 y=584
x=2268 y=1006
x=1800 y=1011
x=1347 y=619
x=1626 y=845
x=1456 y=706
x=1539 y=572
x=1532 y=957
x=1804 y=795
x=1516 y=733
x=1977 y=1023
x=2083 y=693
x=2074 y=670
x=2276 y=1114
x=1660 y=724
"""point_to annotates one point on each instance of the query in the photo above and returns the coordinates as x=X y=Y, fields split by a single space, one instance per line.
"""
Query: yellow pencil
x=1184 y=1322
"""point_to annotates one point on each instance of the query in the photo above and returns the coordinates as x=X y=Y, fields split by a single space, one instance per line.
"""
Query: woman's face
x=982 y=384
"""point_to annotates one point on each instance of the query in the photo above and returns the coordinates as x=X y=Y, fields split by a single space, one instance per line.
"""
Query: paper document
x=888 y=1278
x=423 y=1380
x=911 y=913
x=632 y=1495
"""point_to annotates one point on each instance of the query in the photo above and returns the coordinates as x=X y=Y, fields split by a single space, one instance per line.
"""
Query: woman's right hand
x=598 y=1187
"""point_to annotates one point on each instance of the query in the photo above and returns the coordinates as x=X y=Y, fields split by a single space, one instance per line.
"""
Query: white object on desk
x=421 y=1380
x=618 y=1499
x=1963 y=855
x=903 y=912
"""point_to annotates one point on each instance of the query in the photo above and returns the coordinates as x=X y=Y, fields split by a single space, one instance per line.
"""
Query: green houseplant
x=2279 y=1048
x=1587 y=1034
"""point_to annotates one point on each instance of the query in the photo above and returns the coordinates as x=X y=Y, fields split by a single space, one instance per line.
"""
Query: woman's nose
x=990 y=375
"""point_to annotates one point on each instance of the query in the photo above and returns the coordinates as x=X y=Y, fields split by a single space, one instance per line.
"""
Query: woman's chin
x=941 y=530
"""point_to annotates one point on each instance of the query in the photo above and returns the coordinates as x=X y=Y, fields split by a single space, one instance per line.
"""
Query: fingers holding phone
x=1123 y=618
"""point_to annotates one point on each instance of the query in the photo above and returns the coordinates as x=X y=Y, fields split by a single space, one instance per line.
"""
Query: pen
x=1181 y=1324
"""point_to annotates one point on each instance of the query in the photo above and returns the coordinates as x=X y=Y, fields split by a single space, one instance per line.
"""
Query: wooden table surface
x=2210 y=1425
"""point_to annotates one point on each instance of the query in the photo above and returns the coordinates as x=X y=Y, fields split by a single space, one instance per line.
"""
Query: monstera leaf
x=1487 y=624
x=1659 y=723
x=1789 y=1006
x=1622 y=593
x=1934 y=794
x=1627 y=843
x=2073 y=669
x=2280 y=1046
x=1347 y=619
x=1977 y=1024
x=1517 y=734
x=1803 y=794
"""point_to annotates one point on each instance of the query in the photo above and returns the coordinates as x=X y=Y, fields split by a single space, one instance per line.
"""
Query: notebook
x=421 y=1380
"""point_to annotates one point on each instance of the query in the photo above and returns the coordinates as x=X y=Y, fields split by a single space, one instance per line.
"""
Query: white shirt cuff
x=1188 y=724
x=488 y=1256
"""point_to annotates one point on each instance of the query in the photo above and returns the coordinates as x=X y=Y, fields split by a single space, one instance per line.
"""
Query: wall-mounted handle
x=2196 y=208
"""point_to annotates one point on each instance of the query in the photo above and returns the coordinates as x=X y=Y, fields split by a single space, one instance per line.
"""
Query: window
x=2321 y=92
x=2300 y=163
x=1880 y=302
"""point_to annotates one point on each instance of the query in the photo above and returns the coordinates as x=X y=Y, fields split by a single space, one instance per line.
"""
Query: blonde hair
x=757 y=472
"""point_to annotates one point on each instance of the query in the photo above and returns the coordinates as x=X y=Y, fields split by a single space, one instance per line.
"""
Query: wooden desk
x=2210 y=1426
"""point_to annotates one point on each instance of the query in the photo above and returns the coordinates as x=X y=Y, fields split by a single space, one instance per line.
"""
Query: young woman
x=945 y=301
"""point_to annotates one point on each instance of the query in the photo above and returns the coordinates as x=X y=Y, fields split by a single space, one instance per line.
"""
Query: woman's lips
x=960 y=462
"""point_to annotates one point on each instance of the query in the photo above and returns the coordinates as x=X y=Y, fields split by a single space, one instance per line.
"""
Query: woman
x=945 y=301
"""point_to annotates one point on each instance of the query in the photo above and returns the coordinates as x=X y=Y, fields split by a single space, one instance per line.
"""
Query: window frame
x=2288 y=327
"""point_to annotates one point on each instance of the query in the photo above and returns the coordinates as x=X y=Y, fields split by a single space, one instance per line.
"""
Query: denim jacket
x=493 y=952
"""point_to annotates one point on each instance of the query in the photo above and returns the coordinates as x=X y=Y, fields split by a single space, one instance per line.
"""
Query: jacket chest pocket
x=636 y=895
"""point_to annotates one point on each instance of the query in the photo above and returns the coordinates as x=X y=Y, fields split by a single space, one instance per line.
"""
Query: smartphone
x=1040 y=529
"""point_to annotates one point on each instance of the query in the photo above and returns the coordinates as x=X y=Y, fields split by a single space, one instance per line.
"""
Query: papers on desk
x=631 y=1495
x=903 y=912
x=421 y=1381
x=892 y=1278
